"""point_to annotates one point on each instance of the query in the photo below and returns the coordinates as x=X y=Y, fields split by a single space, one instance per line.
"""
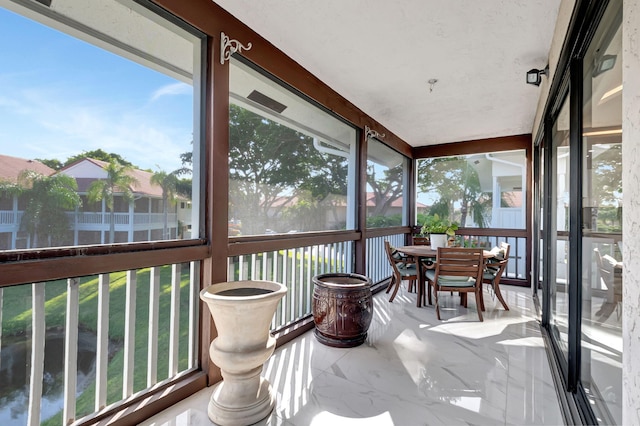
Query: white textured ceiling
x=380 y=55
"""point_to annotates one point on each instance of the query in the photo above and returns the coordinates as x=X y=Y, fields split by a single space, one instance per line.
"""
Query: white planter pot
x=242 y=312
x=438 y=240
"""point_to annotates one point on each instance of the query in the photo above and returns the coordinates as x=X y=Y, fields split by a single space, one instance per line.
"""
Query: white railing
x=130 y=354
x=87 y=218
x=378 y=267
x=295 y=268
x=10 y=217
x=516 y=267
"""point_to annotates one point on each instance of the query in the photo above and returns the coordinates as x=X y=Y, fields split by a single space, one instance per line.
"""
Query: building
x=141 y=220
x=338 y=77
x=11 y=207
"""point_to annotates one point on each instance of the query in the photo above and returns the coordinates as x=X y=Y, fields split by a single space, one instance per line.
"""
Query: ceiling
x=381 y=54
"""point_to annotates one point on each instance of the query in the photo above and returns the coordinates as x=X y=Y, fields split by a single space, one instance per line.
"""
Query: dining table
x=424 y=253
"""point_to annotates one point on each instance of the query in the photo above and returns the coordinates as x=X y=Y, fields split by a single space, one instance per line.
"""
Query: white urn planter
x=242 y=312
x=438 y=240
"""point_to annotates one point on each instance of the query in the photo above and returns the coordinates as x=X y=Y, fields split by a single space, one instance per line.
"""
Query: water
x=15 y=370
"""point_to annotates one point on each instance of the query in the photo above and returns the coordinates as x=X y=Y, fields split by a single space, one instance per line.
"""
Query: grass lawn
x=17 y=321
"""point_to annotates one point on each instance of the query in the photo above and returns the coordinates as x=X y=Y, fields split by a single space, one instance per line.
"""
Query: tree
x=48 y=198
x=118 y=180
x=97 y=154
x=385 y=190
x=606 y=188
x=55 y=164
x=327 y=186
x=454 y=180
x=268 y=163
x=169 y=184
x=184 y=186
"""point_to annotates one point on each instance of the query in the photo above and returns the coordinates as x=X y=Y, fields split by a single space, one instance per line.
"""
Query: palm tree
x=118 y=180
x=169 y=184
x=48 y=198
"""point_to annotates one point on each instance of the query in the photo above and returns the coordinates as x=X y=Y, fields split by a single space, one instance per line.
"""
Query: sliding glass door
x=601 y=330
x=558 y=249
x=581 y=246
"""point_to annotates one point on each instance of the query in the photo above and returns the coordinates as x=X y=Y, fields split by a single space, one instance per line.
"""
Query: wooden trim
x=514 y=282
x=214 y=268
x=238 y=246
x=382 y=232
x=493 y=232
x=360 y=248
x=211 y=19
x=292 y=331
x=483 y=232
x=49 y=269
x=503 y=143
x=529 y=214
x=339 y=236
x=94 y=250
x=145 y=405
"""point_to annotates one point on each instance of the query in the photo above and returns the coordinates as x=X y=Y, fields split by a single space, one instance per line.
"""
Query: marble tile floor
x=412 y=370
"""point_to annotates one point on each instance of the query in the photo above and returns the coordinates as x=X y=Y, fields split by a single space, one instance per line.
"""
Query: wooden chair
x=458 y=269
x=494 y=269
x=611 y=275
x=402 y=269
x=429 y=266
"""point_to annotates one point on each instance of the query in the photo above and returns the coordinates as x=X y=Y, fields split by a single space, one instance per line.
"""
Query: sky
x=60 y=96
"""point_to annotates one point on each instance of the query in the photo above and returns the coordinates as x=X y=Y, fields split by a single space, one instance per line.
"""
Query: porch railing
x=10 y=217
x=517 y=270
x=294 y=268
x=116 y=335
x=13 y=218
x=378 y=267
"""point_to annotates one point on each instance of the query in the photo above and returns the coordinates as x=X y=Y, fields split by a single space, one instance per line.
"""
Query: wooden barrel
x=342 y=309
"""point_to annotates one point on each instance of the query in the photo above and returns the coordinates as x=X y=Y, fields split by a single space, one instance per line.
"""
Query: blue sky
x=60 y=96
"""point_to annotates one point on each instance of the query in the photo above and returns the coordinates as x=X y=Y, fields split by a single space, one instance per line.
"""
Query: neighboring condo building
x=141 y=220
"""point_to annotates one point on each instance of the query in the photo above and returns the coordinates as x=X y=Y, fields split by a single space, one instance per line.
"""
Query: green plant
x=433 y=224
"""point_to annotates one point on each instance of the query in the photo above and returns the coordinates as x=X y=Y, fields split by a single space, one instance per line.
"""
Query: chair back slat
x=465 y=262
x=454 y=262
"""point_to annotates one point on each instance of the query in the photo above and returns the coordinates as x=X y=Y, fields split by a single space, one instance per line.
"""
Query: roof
x=10 y=167
x=144 y=185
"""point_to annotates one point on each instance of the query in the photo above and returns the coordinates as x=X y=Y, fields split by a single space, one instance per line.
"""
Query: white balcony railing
x=11 y=217
x=295 y=268
x=123 y=333
x=378 y=267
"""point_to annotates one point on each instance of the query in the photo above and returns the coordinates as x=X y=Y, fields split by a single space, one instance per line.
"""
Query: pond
x=15 y=370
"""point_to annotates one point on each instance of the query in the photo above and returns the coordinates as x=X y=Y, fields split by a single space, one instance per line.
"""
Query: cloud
x=172 y=90
x=40 y=124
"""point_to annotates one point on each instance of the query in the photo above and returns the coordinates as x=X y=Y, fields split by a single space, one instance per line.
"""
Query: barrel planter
x=342 y=309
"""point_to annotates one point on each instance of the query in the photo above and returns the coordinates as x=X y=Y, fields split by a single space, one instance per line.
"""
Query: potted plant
x=439 y=230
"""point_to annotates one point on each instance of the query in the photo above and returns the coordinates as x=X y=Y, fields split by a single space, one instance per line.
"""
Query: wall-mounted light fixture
x=534 y=76
x=603 y=64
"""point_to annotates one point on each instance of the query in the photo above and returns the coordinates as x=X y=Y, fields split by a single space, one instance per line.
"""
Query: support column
x=631 y=211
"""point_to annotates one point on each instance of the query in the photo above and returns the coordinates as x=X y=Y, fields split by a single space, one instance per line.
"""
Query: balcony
x=98 y=220
x=413 y=369
x=134 y=332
